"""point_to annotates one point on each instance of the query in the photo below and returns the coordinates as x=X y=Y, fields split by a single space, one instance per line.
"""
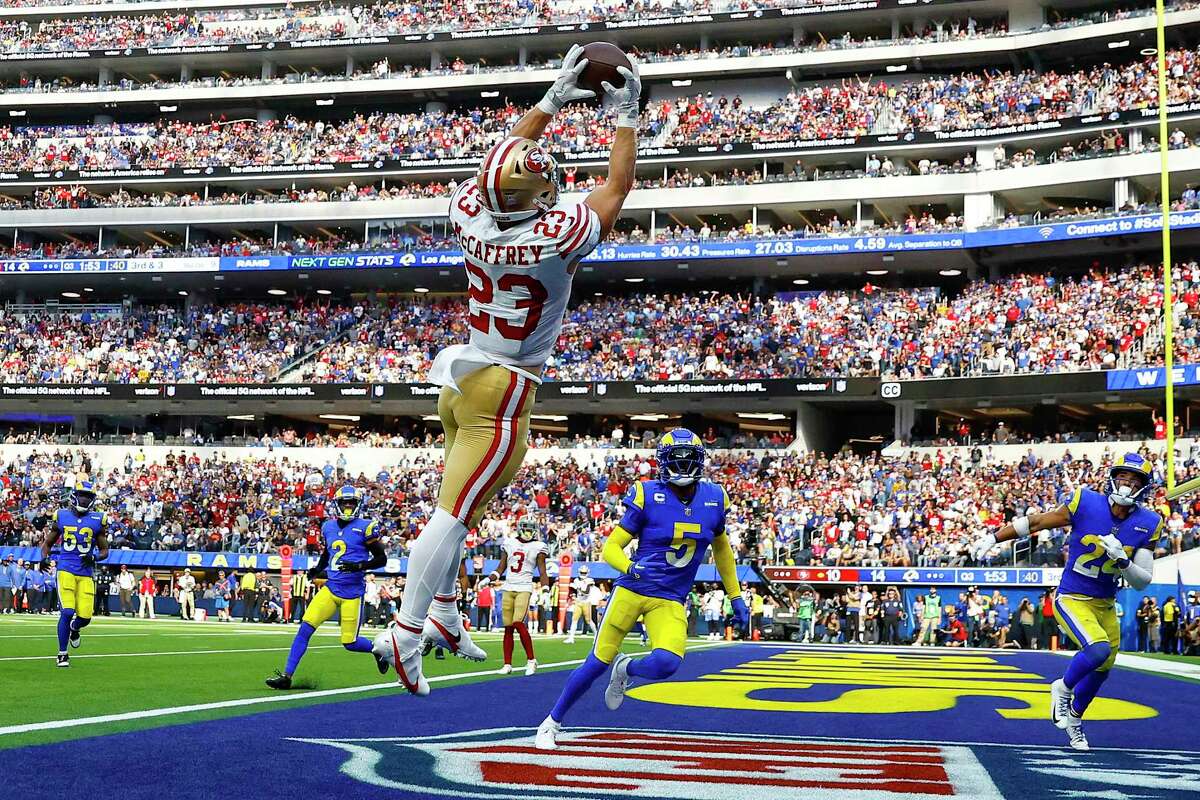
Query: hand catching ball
x=603 y=59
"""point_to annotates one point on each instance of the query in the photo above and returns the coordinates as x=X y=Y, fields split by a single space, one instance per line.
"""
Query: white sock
x=445 y=599
x=439 y=545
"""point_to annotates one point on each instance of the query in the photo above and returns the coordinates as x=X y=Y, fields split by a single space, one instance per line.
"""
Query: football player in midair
x=521 y=244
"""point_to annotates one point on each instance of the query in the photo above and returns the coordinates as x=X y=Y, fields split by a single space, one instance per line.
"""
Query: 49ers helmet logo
x=537 y=161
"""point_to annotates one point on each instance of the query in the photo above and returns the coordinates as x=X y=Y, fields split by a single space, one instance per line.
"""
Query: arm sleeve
x=726 y=566
x=322 y=563
x=1140 y=569
x=614 y=550
x=378 y=557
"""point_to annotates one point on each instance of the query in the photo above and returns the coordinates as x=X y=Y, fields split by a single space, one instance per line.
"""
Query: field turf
x=127 y=665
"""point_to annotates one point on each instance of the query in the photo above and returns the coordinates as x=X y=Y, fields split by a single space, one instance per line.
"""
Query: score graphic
x=916 y=576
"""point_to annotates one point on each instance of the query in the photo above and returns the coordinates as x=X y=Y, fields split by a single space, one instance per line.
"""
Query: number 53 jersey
x=1089 y=571
x=520 y=276
x=77 y=534
x=672 y=532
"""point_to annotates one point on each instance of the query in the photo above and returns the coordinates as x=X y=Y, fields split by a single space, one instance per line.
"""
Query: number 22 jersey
x=520 y=277
x=1089 y=571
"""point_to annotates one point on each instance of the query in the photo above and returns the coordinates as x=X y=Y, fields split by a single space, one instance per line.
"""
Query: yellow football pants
x=665 y=621
x=325 y=604
x=1088 y=620
x=77 y=592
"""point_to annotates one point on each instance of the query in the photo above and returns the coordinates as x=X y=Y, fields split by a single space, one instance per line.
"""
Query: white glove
x=566 y=88
x=981 y=545
x=1114 y=548
x=625 y=100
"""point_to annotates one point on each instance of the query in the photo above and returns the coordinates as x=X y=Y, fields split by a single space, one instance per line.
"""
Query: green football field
x=162 y=667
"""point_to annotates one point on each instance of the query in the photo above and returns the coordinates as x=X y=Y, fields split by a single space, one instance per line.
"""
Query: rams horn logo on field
x=537 y=161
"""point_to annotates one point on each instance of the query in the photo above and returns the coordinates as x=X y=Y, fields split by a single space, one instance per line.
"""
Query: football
x=603 y=59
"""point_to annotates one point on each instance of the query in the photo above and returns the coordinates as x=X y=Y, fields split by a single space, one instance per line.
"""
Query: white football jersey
x=520 y=277
x=522 y=559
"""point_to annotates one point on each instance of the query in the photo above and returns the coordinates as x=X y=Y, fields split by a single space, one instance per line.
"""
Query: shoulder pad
x=637 y=495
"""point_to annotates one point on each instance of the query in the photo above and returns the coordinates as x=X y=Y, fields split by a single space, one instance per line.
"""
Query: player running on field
x=352 y=548
x=1111 y=536
x=521 y=554
x=521 y=243
x=674 y=519
x=83 y=532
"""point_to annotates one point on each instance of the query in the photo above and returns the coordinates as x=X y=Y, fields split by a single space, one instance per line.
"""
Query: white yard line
x=47 y=635
x=275 y=698
x=173 y=653
x=1159 y=665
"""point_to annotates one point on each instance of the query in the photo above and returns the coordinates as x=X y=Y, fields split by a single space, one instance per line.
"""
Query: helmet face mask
x=528 y=531
x=347 y=503
x=1129 y=478
x=518 y=180
x=83 y=497
x=681 y=458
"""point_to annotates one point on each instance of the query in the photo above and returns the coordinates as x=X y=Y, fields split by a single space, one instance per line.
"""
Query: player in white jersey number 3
x=522 y=553
x=521 y=244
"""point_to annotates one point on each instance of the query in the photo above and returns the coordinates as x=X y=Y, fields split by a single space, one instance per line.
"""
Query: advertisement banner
x=641 y=253
x=1031 y=385
x=1153 y=377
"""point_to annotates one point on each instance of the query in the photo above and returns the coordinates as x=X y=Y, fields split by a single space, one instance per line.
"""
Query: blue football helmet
x=681 y=457
x=347 y=503
x=1136 y=465
x=83 y=496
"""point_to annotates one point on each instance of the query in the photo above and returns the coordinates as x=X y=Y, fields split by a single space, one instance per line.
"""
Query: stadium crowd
x=848 y=108
x=791 y=508
x=333 y=21
x=1019 y=324
x=235 y=343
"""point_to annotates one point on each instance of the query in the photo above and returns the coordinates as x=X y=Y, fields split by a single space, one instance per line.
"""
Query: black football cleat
x=64 y=660
x=381 y=664
x=74 y=639
x=280 y=681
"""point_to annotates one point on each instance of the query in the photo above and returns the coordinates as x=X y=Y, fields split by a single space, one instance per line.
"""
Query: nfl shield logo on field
x=600 y=763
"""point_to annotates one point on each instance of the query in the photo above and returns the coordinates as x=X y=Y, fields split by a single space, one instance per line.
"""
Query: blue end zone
x=788 y=722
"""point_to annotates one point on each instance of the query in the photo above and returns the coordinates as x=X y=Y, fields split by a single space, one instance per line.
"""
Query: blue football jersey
x=77 y=534
x=347 y=542
x=1089 y=571
x=671 y=532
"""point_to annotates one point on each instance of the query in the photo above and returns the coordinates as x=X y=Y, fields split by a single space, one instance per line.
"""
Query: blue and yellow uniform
x=77 y=538
x=668 y=531
x=1085 y=604
x=343 y=591
x=675 y=519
